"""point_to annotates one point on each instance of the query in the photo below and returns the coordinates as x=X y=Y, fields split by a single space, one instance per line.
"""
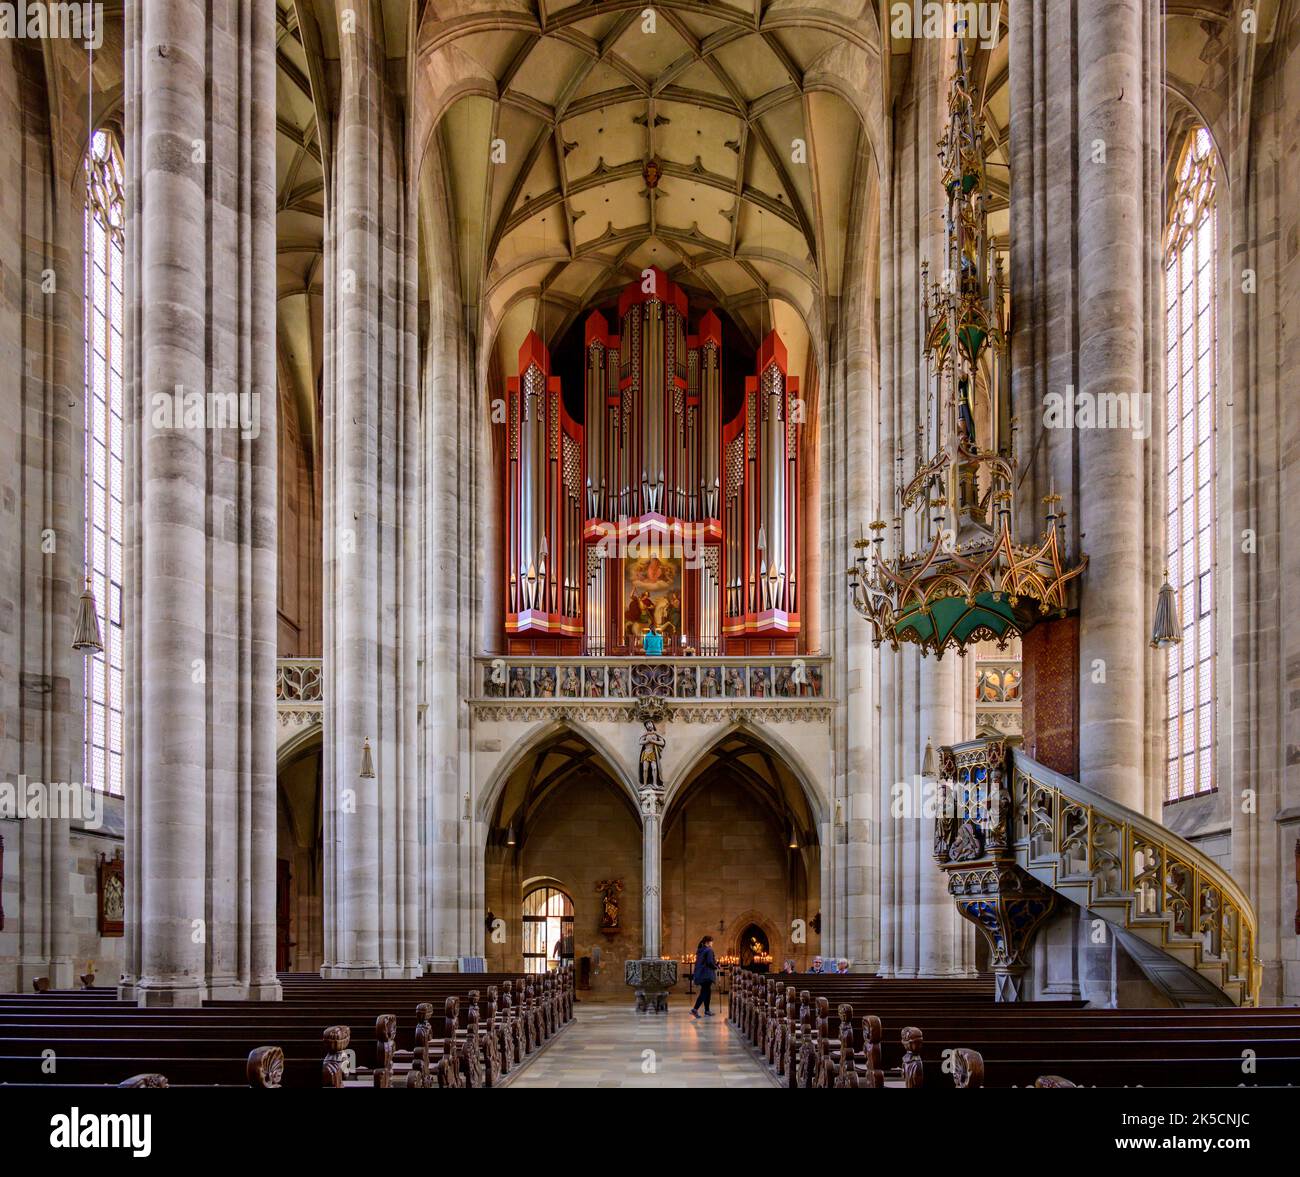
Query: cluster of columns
x=200 y=528
x=921 y=698
x=371 y=521
x=41 y=483
x=1088 y=313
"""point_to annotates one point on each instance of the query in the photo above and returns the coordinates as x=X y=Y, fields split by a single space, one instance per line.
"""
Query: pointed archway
x=741 y=854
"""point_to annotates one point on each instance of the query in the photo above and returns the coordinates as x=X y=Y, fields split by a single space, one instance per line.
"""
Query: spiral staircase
x=1180 y=917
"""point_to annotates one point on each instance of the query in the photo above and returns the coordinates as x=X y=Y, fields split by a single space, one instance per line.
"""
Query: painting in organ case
x=652 y=594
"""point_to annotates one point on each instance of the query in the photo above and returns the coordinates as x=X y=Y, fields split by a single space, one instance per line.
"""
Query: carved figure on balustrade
x=945 y=820
x=595 y=676
x=519 y=683
x=968 y=843
x=569 y=683
x=618 y=683
x=710 y=684
x=546 y=684
x=999 y=835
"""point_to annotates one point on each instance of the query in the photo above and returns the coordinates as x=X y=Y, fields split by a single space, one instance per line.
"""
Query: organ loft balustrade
x=696 y=688
x=782 y=687
x=299 y=697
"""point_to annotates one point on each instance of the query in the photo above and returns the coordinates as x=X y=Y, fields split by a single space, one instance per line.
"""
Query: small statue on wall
x=610 y=890
x=652 y=744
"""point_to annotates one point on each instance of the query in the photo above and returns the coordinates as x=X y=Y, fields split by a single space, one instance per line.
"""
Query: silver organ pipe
x=653 y=441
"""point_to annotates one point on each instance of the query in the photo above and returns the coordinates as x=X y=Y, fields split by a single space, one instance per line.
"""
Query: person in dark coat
x=706 y=972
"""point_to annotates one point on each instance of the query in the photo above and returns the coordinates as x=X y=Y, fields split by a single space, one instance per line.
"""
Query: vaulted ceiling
x=300 y=222
x=548 y=161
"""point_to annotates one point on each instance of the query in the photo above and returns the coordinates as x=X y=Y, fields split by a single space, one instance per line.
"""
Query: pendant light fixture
x=930 y=761
x=1167 y=628
x=85 y=634
x=367 y=762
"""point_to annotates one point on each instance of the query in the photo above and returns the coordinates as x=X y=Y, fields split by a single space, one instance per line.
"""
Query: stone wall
x=298 y=517
x=726 y=864
x=87 y=949
x=583 y=833
x=298 y=844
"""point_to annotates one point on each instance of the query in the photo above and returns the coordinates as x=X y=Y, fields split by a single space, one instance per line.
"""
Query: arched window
x=548 y=929
x=1191 y=365
x=103 y=319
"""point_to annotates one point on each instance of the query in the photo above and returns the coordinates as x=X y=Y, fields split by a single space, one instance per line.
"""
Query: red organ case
x=652 y=509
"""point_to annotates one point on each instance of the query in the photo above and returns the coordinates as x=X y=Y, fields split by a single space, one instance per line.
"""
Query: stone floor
x=611 y=1045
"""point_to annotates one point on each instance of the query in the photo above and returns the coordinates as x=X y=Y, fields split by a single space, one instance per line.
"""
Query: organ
x=657 y=506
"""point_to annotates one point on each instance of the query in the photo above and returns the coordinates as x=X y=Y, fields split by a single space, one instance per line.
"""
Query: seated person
x=818 y=965
x=841 y=965
x=653 y=642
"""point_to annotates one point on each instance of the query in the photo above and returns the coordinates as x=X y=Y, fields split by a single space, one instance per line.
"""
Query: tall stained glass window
x=1191 y=365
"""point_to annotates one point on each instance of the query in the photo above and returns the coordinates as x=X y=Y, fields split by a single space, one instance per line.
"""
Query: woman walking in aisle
x=706 y=972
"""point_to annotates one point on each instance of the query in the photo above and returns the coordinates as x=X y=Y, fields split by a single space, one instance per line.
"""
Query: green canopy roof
x=951 y=621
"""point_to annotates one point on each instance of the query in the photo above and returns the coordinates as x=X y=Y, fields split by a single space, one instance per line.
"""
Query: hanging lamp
x=1167 y=628
x=85 y=634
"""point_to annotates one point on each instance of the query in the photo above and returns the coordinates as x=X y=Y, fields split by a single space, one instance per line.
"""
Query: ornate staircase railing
x=1014 y=836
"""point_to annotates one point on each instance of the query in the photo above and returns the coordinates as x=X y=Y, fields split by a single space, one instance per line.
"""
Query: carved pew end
x=265 y=1066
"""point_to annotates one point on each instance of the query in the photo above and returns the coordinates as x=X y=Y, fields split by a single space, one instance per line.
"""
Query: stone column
x=201 y=538
x=42 y=487
x=920 y=697
x=1088 y=315
x=940 y=685
x=456 y=529
x=371 y=546
x=652 y=804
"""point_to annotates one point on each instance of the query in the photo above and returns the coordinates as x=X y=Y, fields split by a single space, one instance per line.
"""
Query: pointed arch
x=678 y=779
x=536 y=741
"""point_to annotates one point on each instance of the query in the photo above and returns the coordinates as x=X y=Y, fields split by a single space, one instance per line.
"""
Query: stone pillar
x=1087 y=316
x=939 y=924
x=652 y=804
x=42 y=488
x=201 y=534
x=920 y=697
x=458 y=531
x=371 y=478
